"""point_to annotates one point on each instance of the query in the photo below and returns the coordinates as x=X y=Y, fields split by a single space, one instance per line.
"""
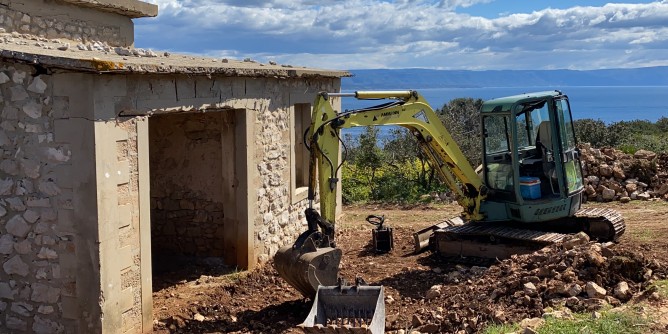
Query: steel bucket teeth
x=347 y=309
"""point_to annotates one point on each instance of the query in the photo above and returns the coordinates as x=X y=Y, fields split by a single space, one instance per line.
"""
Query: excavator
x=526 y=194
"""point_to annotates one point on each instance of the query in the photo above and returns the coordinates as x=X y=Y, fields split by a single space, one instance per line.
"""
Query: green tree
x=628 y=136
x=662 y=124
x=368 y=154
x=403 y=149
x=401 y=146
x=591 y=131
x=364 y=159
x=461 y=117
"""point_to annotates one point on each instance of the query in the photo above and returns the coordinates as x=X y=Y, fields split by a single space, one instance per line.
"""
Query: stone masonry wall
x=611 y=174
x=60 y=24
x=186 y=192
x=281 y=219
x=32 y=279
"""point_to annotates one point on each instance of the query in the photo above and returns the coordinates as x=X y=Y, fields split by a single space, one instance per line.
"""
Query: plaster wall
x=54 y=19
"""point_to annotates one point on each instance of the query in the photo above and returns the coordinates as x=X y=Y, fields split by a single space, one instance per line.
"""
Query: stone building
x=112 y=156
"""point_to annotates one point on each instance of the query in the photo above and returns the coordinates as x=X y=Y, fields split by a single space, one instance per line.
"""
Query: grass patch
x=624 y=322
x=235 y=275
x=627 y=321
x=502 y=329
x=662 y=287
x=643 y=235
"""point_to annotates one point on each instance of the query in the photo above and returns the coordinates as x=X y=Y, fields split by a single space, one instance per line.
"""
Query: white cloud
x=410 y=33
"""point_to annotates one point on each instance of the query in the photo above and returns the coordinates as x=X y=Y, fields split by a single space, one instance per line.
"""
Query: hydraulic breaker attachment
x=382 y=238
x=347 y=309
x=313 y=259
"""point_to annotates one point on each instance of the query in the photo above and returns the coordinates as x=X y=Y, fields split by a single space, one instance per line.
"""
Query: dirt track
x=198 y=298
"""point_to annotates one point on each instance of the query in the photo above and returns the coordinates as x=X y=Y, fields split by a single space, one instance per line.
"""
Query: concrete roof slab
x=72 y=57
x=130 y=8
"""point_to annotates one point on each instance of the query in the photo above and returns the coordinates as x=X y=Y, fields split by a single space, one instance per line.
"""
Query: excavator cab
x=531 y=164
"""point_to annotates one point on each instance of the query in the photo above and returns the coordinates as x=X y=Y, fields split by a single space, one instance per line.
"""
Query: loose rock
x=594 y=290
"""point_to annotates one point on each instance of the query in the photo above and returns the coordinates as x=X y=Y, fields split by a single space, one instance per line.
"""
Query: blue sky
x=440 y=34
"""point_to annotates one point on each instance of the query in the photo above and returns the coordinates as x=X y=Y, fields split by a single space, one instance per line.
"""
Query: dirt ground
x=207 y=297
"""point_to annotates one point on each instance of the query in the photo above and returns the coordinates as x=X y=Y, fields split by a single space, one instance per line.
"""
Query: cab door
x=570 y=156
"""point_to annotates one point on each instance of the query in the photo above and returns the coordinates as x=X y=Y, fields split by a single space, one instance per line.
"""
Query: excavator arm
x=410 y=111
x=313 y=260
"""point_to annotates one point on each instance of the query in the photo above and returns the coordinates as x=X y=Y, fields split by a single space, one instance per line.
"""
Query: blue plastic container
x=530 y=187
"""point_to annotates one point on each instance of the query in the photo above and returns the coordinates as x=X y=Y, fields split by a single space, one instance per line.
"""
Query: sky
x=436 y=34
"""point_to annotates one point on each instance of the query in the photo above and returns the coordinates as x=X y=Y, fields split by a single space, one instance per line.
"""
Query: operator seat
x=544 y=147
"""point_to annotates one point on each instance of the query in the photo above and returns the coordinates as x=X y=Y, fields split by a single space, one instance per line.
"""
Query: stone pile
x=612 y=175
x=555 y=281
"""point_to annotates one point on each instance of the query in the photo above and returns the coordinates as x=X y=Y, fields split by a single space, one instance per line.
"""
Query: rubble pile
x=612 y=175
x=577 y=276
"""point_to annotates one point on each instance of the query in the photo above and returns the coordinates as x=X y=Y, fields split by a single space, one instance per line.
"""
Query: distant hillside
x=425 y=78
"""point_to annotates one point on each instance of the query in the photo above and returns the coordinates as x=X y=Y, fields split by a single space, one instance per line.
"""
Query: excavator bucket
x=347 y=309
x=312 y=260
x=307 y=268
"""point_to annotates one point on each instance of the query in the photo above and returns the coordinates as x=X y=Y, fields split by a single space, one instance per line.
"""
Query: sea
x=606 y=103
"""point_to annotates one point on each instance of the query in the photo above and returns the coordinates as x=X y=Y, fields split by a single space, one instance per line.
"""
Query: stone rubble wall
x=32 y=279
x=612 y=175
x=273 y=198
x=49 y=25
x=280 y=219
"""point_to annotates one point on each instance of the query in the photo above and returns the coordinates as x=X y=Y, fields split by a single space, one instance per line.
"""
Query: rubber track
x=610 y=217
x=511 y=235
x=487 y=229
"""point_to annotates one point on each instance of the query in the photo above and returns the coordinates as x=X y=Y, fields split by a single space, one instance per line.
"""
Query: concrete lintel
x=129 y=8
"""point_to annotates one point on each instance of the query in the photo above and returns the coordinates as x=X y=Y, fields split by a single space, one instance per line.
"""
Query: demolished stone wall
x=612 y=175
x=33 y=278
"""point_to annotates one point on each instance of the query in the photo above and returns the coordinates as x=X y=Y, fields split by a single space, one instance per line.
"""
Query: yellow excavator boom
x=410 y=111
